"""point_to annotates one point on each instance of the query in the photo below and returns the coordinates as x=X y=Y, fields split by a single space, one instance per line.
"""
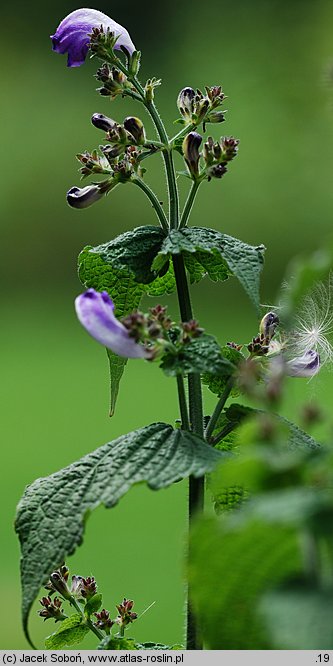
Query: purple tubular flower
x=304 y=366
x=82 y=197
x=95 y=311
x=72 y=34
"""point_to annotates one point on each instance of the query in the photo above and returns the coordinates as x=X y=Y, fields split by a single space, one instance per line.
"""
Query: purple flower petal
x=304 y=366
x=72 y=34
x=82 y=197
x=95 y=311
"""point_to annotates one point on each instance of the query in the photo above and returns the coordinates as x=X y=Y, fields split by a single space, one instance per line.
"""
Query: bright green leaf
x=93 y=604
x=217 y=383
x=117 y=643
x=52 y=512
x=70 y=632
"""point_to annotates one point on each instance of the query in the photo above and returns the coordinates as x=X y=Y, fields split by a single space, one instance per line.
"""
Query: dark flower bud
x=191 y=146
x=136 y=129
x=216 y=171
x=125 y=613
x=59 y=582
x=191 y=329
x=259 y=346
x=269 y=324
x=51 y=609
x=83 y=197
x=104 y=621
x=88 y=587
x=185 y=102
x=102 y=122
x=215 y=117
x=229 y=147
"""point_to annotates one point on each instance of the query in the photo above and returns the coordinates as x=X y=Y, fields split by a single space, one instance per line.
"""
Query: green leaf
x=299 y=617
x=242 y=561
x=126 y=293
x=52 y=512
x=93 y=604
x=95 y=272
x=134 y=251
x=201 y=354
x=297 y=437
x=217 y=383
x=117 y=643
x=202 y=263
x=70 y=632
x=238 y=258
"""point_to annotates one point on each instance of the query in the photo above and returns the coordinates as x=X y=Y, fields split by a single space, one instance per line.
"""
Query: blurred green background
x=275 y=61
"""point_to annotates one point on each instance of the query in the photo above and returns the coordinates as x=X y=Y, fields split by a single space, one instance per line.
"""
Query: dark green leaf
x=240 y=259
x=162 y=285
x=202 y=263
x=70 y=632
x=199 y=355
x=134 y=251
x=93 y=604
x=52 y=512
x=242 y=561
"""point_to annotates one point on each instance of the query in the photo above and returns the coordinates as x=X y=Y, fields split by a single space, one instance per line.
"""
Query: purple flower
x=304 y=366
x=82 y=197
x=95 y=311
x=72 y=35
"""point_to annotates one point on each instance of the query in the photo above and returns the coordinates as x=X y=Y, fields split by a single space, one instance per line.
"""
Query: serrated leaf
x=206 y=263
x=52 y=512
x=134 y=251
x=199 y=355
x=70 y=632
x=242 y=260
x=93 y=604
x=117 y=643
x=249 y=558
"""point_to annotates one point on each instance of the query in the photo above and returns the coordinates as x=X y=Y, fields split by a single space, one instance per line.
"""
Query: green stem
x=154 y=201
x=196 y=486
x=218 y=409
x=183 y=403
x=183 y=132
x=189 y=203
x=88 y=622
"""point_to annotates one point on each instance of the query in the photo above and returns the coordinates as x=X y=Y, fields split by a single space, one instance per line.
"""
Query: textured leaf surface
x=202 y=263
x=199 y=355
x=238 y=258
x=70 y=632
x=52 y=511
x=242 y=561
x=134 y=251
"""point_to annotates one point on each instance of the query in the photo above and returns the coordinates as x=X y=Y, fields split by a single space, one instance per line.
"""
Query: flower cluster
x=196 y=108
x=216 y=155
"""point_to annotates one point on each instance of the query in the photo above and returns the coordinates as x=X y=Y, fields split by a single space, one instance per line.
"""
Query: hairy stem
x=196 y=486
x=218 y=409
x=182 y=403
x=154 y=201
x=189 y=203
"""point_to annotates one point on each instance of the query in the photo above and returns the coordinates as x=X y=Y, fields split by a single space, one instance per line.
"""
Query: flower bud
x=83 y=197
x=185 y=102
x=215 y=117
x=191 y=146
x=60 y=584
x=229 y=147
x=217 y=171
x=102 y=122
x=135 y=127
x=268 y=325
